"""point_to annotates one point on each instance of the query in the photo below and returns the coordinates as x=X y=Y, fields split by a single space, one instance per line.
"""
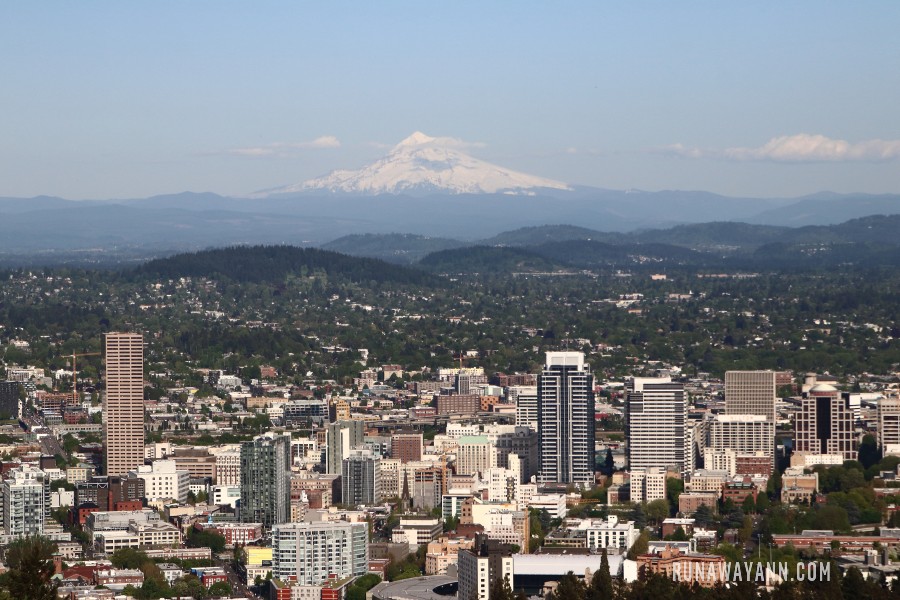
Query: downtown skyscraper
x=266 y=480
x=123 y=409
x=656 y=425
x=566 y=419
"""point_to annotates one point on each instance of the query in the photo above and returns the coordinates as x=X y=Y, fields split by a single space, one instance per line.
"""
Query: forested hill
x=274 y=263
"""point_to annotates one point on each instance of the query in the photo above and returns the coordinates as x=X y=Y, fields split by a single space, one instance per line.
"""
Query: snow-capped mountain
x=425 y=164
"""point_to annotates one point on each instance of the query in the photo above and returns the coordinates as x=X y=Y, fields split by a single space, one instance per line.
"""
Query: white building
x=228 y=467
x=610 y=533
x=656 y=424
x=479 y=567
x=554 y=504
x=26 y=501
x=310 y=552
x=647 y=484
x=526 y=400
x=743 y=433
x=163 y=481
x=474 y=455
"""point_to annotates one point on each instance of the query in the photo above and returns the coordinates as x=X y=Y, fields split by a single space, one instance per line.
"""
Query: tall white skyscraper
x=566 y=419
x=123 y=409
x=656 y=424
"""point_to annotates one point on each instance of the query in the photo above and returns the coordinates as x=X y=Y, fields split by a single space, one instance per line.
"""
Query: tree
x=640 y=546
x=570 y=587
x=220 y=589
x=869 y=454
x=703 y=516
x=609 y=463
x=206 y=539
x=749 y=505
x=601 y=582
x=762 y=503
x=639 y=516
x=128 y=558
x=30 y=562
x=658 y=510
x=500 y=589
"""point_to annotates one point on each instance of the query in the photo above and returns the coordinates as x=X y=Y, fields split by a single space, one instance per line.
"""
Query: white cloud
x=680 y=150
x=286 y=149
x=802 y=147
x=451 y=142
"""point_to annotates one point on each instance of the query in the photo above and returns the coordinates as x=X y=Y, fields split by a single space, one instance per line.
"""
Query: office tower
x=406 y=446
x=475 y=454
x=266 y=480
x=123 y=411
x=889 y=425
x=825 y=423
x=524 y=442
x=9 y=400
x=309 y=552
x=341 y=438
x=566 y=419
x=750 y=393
x=526 y=400
x=26 y=501
x=361 y=479
x=656 y=425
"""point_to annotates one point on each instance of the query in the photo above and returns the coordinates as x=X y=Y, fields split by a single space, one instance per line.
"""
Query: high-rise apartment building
x=361 y=478
x=526 y=400
x=745 y=434
x=266 y=480
x=340 y=438
x=26 y=501
x=309 y=552
x=123 y=409
x=889 y=425
x=825 y=424
x=480 y=566
x=750 y=393
x=9 y=399
x=566 y=419
x=656 y=425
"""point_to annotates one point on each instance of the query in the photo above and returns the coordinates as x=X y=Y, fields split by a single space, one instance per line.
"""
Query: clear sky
x=130 y=99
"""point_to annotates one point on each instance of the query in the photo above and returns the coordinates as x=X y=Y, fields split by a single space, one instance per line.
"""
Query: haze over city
x=124 y=100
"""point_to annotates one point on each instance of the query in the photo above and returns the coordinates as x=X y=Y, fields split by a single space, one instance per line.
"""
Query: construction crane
x=75 y=374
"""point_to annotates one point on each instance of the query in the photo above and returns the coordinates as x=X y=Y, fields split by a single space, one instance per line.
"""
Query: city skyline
x=125 y=101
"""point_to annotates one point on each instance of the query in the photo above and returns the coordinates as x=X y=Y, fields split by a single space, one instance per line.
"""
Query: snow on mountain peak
x=421 y=163
x=416 y=139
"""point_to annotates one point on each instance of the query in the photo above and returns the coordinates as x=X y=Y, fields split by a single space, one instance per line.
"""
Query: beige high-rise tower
x=750 y=393
x=123 y=409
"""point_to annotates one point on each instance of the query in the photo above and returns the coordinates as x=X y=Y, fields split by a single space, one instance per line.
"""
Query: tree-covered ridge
x=274 y=263
x=400 y=248
x=489 y=259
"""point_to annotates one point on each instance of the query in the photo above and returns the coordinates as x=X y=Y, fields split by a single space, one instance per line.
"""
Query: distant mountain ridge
x=190 y=221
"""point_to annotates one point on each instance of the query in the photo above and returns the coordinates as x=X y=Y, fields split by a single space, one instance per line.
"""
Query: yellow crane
x=75 y=374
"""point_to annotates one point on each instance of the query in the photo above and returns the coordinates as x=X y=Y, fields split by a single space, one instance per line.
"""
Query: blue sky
x=129 y=99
